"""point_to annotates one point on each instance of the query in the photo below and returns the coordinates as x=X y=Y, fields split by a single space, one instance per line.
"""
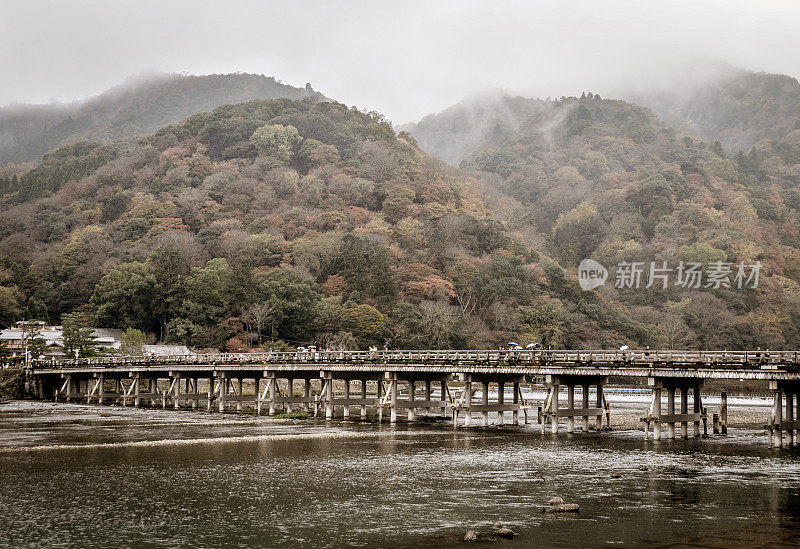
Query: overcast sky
x=405 y=59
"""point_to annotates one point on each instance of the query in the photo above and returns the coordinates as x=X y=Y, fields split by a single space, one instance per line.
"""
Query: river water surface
x=89 y=476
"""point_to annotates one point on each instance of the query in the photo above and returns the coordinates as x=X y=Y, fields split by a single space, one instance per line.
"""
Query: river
x=91 y=476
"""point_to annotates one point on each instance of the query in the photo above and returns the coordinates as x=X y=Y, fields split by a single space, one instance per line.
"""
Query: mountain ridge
x=136 y=108
x=347 y=232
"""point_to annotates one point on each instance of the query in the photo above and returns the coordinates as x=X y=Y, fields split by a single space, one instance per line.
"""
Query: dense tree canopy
x=283 y=222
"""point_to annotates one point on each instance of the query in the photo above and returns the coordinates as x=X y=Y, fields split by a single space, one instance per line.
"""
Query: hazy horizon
x=404 y=61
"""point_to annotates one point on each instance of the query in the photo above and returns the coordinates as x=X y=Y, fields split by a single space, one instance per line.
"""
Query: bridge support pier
x=271 y=393
x=67 y=387
x=346 y=405
x=272 y=383
x=785 y=417
x=656 y=416
x=412 y=396
x=467 y=398
x=137 y=400
x=176 y=389
x=363 y=398
x=389 y=395
x=501 y=398
x=552 y=412
x=347 y=399
x=95 y=388
x=223 y=390
x=464 y=404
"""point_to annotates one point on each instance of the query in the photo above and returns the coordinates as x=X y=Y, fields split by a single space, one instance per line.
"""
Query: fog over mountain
x=620 y=132
x=734 y=107
x=404 y=60
x=137 y=107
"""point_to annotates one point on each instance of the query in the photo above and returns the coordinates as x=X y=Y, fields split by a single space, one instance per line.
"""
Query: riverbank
x=12 y=383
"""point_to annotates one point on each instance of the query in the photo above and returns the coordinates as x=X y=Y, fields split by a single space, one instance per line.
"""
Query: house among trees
x=166 y=350
x=49 y=341
x=48 y=338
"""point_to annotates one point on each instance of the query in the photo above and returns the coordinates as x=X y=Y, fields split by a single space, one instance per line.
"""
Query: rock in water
x=504 y=533
x=616 y=475
x=644 y=468
x=562 y=508
x=556 y=501
x=471 y=535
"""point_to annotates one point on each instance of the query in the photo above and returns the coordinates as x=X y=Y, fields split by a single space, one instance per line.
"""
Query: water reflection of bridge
x=460 y=383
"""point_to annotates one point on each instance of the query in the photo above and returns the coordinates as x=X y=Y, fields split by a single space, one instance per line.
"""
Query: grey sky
x=404 y=59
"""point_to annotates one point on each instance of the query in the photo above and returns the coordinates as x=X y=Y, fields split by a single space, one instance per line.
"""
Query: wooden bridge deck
x=377 y=375
x=751 y=365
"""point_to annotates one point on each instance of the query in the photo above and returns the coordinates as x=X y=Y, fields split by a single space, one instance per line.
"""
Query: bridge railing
x=467 y=357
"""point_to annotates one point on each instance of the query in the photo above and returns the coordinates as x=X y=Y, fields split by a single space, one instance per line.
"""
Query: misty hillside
x=588 y=177
x=136 y=108
x=737 y=108
x=317 y=223
x=314 y=218
x=459 y=132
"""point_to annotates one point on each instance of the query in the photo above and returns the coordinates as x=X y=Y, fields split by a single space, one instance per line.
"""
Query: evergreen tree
x=78 y=339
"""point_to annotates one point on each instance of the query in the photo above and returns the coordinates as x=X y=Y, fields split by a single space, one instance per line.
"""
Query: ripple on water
x=258 y=483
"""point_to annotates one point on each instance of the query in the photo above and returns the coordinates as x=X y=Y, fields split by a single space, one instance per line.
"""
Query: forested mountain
x=461 y=131
x=299 y=220
x=737 y=108
x=281 y=221
x=585 y=177
x=139 y=107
